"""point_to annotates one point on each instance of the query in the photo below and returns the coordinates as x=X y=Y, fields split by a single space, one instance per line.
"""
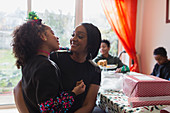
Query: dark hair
x=160 y=51
x=93 y=40
x=26 y=41
x=106 y=42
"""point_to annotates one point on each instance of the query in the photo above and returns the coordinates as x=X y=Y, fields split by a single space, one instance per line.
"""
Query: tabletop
x=112 y=99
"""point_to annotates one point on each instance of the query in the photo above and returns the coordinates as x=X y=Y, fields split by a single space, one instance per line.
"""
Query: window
x=10 y=16
x=95 y=14
x=59 y=15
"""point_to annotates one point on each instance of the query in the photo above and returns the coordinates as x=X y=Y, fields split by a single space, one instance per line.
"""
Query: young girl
x=41 y=81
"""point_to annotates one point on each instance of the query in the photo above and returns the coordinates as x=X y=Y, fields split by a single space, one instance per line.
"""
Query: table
x=112 y=100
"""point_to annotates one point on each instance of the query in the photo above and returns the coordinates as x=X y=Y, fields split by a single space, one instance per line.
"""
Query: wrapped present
x=145 y=86
x=148 y=101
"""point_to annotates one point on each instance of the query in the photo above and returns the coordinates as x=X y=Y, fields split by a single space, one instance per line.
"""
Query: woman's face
x=78 y=41
x=52 y=41
x=104 y=49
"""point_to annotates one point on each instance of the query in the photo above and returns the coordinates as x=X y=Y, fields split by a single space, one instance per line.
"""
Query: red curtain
x=121 y=15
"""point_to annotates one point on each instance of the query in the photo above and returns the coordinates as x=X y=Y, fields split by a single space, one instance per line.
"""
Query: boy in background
x=162 y=67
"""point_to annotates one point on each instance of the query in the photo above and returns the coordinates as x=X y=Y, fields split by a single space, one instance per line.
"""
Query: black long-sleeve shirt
x=72 y=71
x=42 y=87
x=162 y=71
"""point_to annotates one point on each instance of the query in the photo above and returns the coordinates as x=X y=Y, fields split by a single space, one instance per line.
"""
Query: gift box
x=145 y=86
x=148 y=101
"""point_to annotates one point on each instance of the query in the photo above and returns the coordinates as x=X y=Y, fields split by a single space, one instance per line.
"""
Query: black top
x=40 y=82
x=72 y=71
x=162 y=71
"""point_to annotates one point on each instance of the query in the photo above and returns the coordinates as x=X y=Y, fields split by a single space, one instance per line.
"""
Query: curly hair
x=26 y=41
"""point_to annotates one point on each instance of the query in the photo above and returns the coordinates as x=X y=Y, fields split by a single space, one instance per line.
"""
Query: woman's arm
x=19 y=100
x=90 y=100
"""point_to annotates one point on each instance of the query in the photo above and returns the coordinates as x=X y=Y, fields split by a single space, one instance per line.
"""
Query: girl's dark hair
x=26 y=41
x=93 y=40
x=160 y=51
x=106 y=42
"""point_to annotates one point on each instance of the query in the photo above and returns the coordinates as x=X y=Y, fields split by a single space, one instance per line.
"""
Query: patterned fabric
x=58 y=105
x=116 y=102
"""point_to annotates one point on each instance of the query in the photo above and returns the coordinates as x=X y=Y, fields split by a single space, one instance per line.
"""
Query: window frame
x=78 y=20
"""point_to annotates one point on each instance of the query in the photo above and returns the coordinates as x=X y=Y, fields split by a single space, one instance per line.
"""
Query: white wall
x=152 y=32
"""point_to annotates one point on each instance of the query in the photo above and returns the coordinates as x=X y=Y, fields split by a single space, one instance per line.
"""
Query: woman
x=42 y=88
x=85 y=43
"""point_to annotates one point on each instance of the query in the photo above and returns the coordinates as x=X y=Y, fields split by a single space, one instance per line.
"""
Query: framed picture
x=167 y=11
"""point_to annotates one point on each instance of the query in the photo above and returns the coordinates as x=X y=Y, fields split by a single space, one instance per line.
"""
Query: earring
x=90 y=56
x=45 y=39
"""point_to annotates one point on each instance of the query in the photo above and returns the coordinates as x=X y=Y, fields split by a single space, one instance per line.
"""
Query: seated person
x=162 y=67
x=104 y=50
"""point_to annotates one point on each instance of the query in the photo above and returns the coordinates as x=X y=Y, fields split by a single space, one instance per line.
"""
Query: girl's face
x=52 y=41
x=78 y=41
x=104 y=49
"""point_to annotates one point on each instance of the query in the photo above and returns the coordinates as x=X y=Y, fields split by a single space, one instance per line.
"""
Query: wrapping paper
x=148 y=101
x=145 y=86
